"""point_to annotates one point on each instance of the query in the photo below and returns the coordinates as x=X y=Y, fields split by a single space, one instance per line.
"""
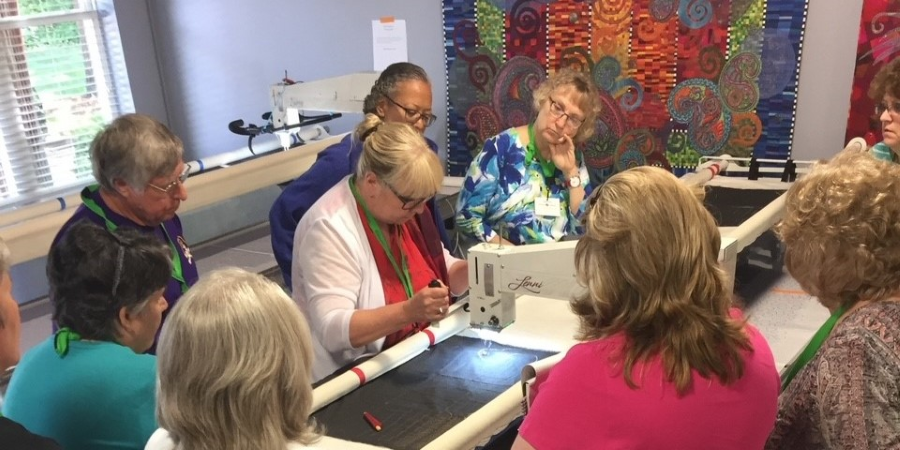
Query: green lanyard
x=177 y=273
x=531 y=152
x=814 y=344
x=401 y=270
x=63 y=338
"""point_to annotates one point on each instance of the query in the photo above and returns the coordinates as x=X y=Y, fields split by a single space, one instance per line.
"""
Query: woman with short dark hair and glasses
x=885 y=91
x=528 y=184
x=140 y=177
x=367 y=250
x=89 y=386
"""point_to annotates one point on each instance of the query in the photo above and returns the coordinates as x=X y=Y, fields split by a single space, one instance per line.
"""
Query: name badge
x=547 y=207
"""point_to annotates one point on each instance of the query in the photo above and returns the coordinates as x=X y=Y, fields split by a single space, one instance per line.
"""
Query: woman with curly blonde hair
x=841 y=232
x=667 y=361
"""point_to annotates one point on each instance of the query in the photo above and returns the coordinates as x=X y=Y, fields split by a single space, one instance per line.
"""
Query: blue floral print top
x=498 y=196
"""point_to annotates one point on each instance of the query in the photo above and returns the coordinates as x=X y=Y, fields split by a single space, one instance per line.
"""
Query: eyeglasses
x=414 y=116
x=893 y=107
x=557 y=111
x=408 y=203
x=170 y=188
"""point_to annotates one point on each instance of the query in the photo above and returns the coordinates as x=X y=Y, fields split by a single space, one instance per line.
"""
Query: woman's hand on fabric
x=562 y=153
x=429 y=304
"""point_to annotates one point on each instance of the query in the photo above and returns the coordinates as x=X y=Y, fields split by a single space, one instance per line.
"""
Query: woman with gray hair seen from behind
x=366 y=252
x=401 y=94
x=234 y=369
x=841 y=231
x=89 y=386
x=667 y=362
x=140 y=175
x=13 y=435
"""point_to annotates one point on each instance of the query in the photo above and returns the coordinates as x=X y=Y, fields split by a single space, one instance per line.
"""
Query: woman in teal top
x=89 y=387
x=528 y=184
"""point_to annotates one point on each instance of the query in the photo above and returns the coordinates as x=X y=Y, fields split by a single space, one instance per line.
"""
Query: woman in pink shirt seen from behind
x=667 y=361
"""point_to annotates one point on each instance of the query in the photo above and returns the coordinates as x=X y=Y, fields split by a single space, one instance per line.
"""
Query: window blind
x=62 y=77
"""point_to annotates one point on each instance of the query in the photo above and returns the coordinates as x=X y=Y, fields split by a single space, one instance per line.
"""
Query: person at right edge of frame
x=885 y=91
x=841 y=231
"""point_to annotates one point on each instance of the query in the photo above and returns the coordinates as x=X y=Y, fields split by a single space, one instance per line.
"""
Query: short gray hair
x=387 y=82
x=234 y=366
x=136 y=149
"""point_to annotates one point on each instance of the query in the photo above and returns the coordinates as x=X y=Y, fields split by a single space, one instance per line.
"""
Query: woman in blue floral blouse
x=528 y=184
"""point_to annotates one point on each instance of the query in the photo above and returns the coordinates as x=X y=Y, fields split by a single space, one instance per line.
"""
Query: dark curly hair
x=94 y=273
x=886 y=81
x=387 y=83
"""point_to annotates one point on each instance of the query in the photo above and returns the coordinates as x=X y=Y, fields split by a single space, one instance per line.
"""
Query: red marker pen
x=375 y=423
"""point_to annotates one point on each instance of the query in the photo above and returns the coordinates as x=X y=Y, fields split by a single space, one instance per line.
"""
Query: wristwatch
x=574 y=182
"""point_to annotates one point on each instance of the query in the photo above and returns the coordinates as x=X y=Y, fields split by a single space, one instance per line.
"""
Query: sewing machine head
x=499 y=274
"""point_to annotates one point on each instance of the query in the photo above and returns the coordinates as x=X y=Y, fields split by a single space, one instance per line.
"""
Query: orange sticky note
x=387 y=19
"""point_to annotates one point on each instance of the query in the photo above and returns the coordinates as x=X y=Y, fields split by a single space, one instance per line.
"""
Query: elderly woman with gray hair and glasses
x=89 y=386
x=140 y=175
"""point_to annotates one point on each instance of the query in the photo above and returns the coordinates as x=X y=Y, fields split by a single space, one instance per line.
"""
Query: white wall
x=826 y=76
x=218 y=58
x=136 y=31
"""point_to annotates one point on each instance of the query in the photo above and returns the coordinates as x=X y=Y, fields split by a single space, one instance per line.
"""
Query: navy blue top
x=332 y=165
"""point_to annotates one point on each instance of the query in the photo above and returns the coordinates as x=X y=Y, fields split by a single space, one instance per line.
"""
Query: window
x=62 y=76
